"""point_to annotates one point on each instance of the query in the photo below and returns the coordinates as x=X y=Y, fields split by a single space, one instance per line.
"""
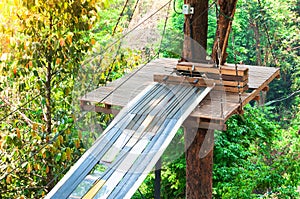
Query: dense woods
x=52 y=52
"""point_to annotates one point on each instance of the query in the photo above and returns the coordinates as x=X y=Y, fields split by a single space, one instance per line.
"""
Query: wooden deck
x=121 y=92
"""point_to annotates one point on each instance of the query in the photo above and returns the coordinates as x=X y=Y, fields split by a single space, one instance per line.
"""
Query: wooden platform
x=131 y=145
x=209 y=109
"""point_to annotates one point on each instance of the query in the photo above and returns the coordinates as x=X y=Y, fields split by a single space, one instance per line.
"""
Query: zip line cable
x=120 y=16
x=164 y=30
x=282 y=98
x=120 y=44
x=134 y=9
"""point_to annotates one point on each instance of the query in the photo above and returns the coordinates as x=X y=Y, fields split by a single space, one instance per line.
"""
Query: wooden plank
x=232 y=83
x=170 y=79
x=117 y=146
x=262 y=85
x=203 y=68
x=93 y=191
x=124 y=166
x=234 y=78
x=98 y=109
x=173 y=126
x=232 y=89
x=213 y=126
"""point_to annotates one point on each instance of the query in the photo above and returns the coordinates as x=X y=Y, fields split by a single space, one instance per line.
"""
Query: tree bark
x=199 y=145
x=48 y=99
x=195 y=32
x=227 y=10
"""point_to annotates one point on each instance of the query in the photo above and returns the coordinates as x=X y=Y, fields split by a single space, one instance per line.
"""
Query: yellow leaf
x=37 y=167
x=58 y=61
x=69 y=38
x=68 y=131
x=34 y=126
x=47 y=138
x=47 y=169
x=77 y=143
x=61 y=138
x=29 y=168
x=68 y=153
x=61 y=42
x=43 y=128
x=18 y=133
x=44 y=154
x=8 y=179
x=63 y=156
x=93 y=41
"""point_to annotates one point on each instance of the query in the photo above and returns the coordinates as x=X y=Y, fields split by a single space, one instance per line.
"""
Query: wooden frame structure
x=120 y=92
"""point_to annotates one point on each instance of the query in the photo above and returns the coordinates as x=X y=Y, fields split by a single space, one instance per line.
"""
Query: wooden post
x=195 y=34
x=199 y=145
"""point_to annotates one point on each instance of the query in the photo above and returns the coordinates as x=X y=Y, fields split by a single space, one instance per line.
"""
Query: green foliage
x=43 y=58
x=254 y=158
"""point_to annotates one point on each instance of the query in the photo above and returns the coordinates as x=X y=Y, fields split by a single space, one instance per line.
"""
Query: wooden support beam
x=266 y=89
x=99 y=109
x=257 y=98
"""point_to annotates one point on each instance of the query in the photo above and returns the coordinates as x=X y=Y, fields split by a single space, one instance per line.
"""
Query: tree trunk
x=227 y=10
x=199 y=145
x=48 y=99
x=254 y=25
x=195 y=32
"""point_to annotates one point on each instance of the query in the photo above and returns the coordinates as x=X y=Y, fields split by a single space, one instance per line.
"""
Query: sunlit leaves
x=34 y=36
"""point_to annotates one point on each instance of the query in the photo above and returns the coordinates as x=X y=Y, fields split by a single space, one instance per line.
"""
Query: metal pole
x=157 y=184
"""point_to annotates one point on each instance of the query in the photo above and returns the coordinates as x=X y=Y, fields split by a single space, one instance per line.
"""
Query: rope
x=174 y=8
x=236 y=72
x=120 y=16
x=164 y=30
x=218 y=63
x=134 y=9
x=119 y=47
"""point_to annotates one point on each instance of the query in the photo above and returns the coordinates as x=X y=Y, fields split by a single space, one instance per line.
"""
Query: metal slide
x=119 y=161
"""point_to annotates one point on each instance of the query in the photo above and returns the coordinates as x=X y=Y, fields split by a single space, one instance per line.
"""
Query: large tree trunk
x=227 y=10
x=199 y=145
x=195 y=34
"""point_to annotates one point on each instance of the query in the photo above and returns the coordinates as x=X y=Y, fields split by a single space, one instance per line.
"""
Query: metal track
x=131 y=144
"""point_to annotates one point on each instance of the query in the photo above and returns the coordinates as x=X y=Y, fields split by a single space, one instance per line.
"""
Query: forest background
x=52 y=52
